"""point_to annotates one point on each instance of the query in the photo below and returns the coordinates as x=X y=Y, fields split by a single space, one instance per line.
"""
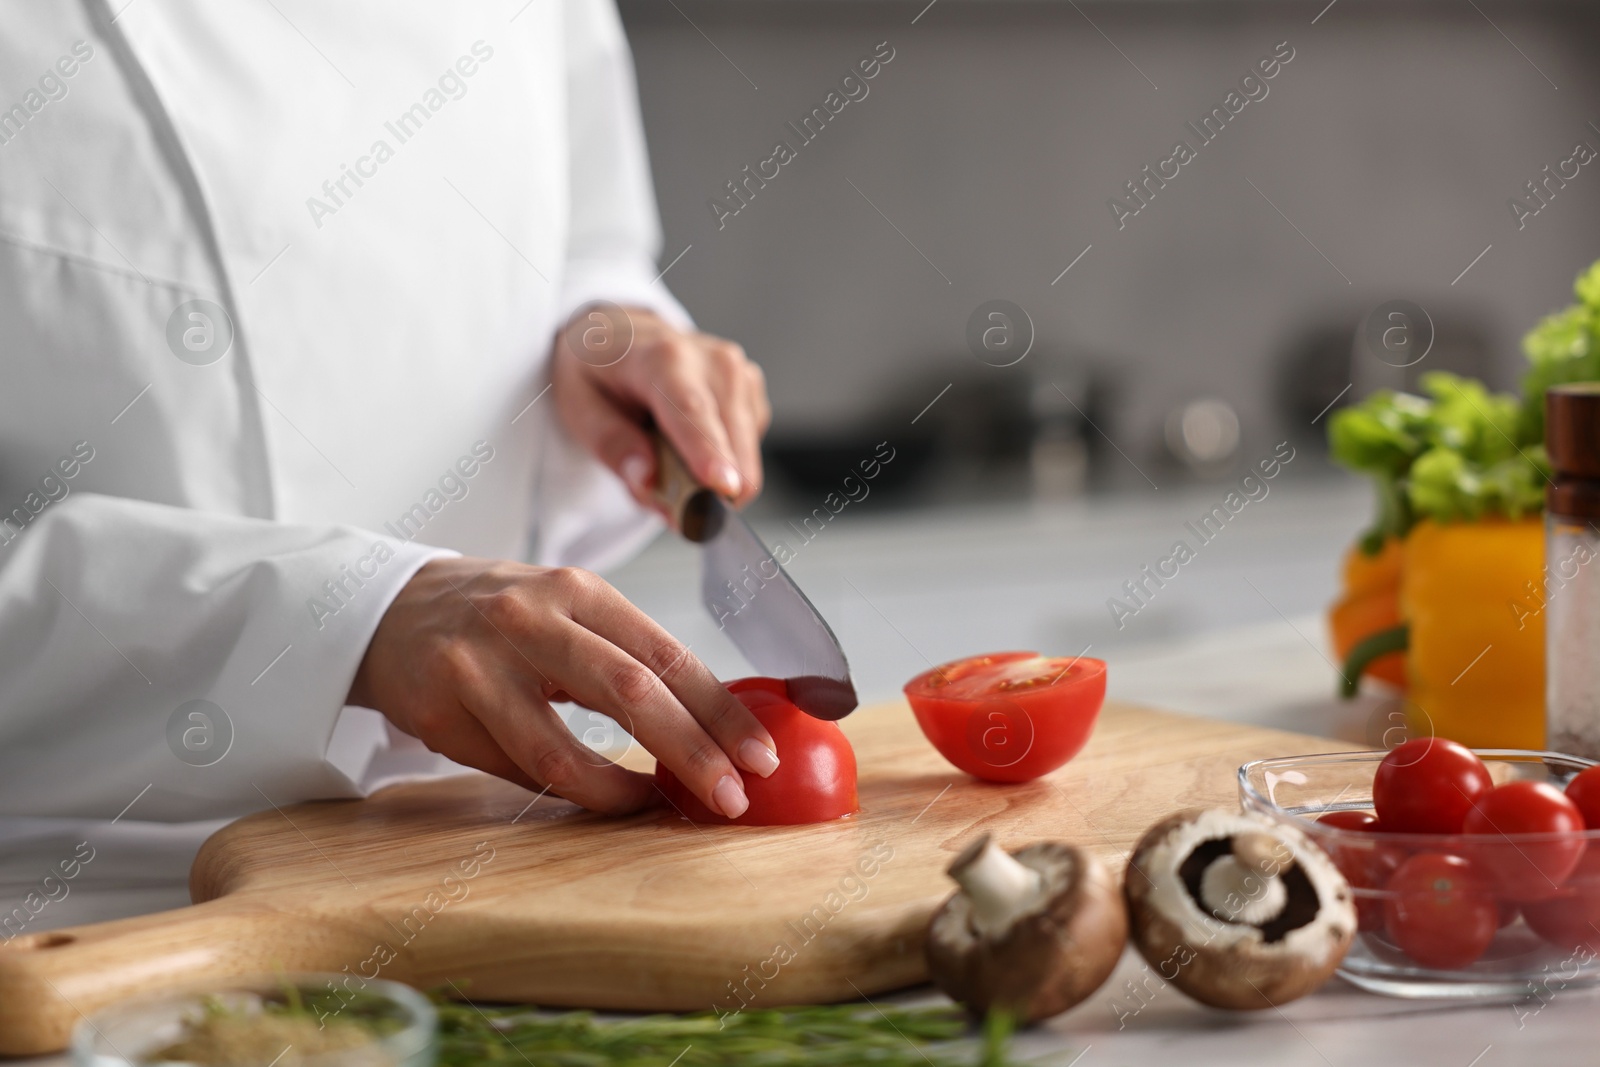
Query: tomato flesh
x=1526 y=869
x=1440 y=910
x=1009 y=716
x=816 y=776
x=1427 y=786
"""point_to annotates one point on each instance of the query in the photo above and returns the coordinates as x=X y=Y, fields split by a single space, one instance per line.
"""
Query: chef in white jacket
x=310 y=319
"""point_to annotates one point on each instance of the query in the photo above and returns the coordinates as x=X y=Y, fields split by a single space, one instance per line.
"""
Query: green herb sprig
x=846 y=1035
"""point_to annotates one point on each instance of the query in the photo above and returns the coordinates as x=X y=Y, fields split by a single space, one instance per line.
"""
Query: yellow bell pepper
x=1471 y=594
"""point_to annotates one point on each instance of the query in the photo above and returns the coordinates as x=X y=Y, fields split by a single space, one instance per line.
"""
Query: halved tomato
x=1009 y=716
x=816 y=776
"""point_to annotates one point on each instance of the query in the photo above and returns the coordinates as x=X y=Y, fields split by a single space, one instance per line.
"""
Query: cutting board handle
x=691 y=507
x=49 y=980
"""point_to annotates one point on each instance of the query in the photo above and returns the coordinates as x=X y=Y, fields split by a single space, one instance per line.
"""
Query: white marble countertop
x=1236 y=635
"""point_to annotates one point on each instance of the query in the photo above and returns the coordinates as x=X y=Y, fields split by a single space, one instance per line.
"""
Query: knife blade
x=753 y=599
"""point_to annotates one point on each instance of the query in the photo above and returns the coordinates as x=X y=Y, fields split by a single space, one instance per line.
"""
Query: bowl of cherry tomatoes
x=1475 y=873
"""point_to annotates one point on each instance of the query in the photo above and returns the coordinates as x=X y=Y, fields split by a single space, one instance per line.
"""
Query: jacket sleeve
x=584 y=514
x=614 y=236
x=193 y=662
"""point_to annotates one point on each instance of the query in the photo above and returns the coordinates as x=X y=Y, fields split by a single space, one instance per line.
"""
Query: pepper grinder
x=1571 y=594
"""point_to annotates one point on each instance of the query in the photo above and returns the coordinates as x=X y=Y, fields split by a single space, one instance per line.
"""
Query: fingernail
x=729 y=477
x=757 y=757
x=636 y=472
x=729 y=797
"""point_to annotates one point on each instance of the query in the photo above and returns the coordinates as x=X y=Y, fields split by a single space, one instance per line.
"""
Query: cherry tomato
x=1571 y=919
x=1365 y=864
x=1369 y=876
x=1440 y=910
x=1427 y=785
x=816 y=776
x=1009 y=716
x=1584 y=791
x=1526 y=869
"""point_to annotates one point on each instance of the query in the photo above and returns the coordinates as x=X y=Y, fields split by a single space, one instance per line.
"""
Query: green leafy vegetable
x=1564 y=347
x=1460 y=452
x=844 y=1035
x=1471 y=421
x=1382 y=436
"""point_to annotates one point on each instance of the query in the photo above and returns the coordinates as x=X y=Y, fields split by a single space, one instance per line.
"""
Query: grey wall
x=996 y=135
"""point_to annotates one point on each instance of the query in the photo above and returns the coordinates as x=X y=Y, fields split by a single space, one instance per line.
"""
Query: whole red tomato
x=1427 y=785
x=1584 y=791
x=816 y=776
x=1571 y=919
x=1365 y=863
x=1526 y=869
x=1009 y=716
x=1350 y=820
x=1440 y=910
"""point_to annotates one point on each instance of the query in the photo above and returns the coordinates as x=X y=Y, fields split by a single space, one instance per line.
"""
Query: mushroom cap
x=1235 y=964
x=1054 y=954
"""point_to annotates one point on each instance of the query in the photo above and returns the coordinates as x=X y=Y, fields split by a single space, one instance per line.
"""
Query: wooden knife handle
x=691 y=508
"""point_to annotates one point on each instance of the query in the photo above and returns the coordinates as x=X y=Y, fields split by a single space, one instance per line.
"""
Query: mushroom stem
x=1244 y=886
x=999 y=887
x=1260 y=852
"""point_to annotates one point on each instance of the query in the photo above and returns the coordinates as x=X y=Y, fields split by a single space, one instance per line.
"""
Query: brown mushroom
x=1030 y=933
x=1237 y=910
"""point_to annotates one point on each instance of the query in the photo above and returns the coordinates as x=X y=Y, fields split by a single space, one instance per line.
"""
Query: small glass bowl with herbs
x=283 y=1021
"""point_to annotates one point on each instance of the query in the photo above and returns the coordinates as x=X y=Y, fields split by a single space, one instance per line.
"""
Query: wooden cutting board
x=462 y=880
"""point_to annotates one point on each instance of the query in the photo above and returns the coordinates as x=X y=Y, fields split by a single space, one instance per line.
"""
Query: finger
x=466 y=742
x=687 y=413
x=631 y=693
x=600 y=609
x=732 y=383
x=534 y=737
x=763 y=403
x=600 y=424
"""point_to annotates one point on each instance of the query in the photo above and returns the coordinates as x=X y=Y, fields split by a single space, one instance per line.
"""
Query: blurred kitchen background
x=1176 y=352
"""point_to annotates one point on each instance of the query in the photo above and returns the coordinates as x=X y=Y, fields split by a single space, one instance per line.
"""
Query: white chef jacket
x=395 y=205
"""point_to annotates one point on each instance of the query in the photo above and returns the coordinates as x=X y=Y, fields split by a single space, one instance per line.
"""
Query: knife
x=752 y=598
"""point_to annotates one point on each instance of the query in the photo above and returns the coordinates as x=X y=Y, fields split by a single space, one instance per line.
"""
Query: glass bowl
x=1540 y=947
x=288 y=1018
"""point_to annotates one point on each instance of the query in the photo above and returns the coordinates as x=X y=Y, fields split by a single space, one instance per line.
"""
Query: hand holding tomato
x=472 y=653
x=815 y=782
